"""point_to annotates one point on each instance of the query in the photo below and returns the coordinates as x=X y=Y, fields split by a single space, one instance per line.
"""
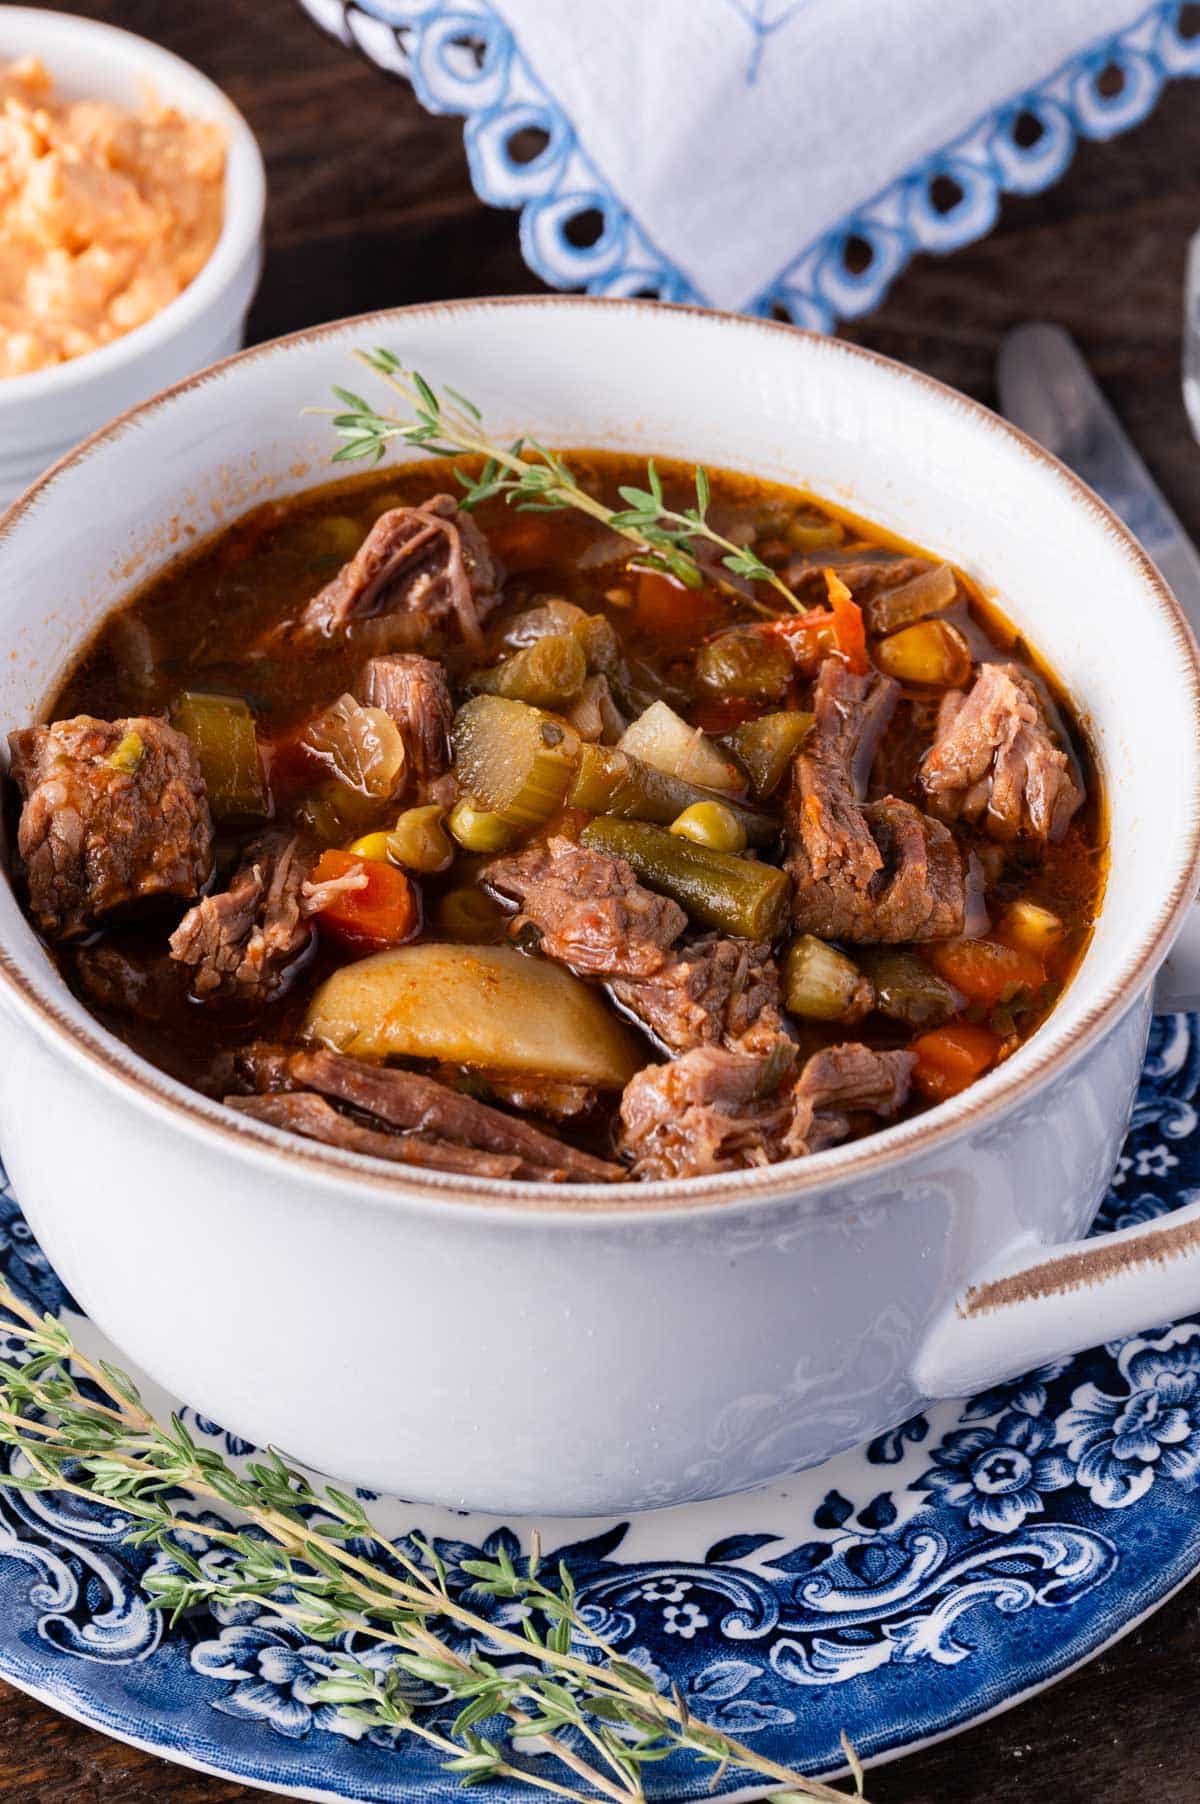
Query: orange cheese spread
x=105 y=216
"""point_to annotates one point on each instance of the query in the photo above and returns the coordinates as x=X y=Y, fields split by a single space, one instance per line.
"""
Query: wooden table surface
x=370 y=206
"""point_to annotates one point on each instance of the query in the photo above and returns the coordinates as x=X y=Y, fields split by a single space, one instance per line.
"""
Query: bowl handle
x=1042 y=1303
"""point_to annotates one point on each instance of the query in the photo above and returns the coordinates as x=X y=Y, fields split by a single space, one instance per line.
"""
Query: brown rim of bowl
x=824 y=1171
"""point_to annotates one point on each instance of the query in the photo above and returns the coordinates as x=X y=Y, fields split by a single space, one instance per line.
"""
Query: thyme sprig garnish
x=385 y=1611
x=535 y=479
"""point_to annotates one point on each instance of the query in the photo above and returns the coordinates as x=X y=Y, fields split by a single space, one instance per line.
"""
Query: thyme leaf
x=535 y=479
x=315 y=1560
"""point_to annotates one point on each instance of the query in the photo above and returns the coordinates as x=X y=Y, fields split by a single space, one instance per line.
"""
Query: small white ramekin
x=43 y=414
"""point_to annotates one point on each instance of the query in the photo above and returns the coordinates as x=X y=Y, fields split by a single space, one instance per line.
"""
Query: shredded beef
x=552 y=1097
x=710 y=1110
x=850 y=716
x=303 y=1112
x=417 y=1104
x=414 y=692
x=431 y=562
x=717 y=1110
x=994 y=760
x=711 y=992
x=879 y=872
x=842 y=1082
x=590 y=910
x=244 y=941
x=95 y=835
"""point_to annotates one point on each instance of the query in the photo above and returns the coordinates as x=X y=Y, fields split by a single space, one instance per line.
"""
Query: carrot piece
x=985 y=971
x=663 y=605
x=848 y=627
x=378 y=913
x=950 y=1058
x=523 y=542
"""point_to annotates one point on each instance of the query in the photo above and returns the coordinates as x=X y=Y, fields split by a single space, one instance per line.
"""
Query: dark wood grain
x=371 y=206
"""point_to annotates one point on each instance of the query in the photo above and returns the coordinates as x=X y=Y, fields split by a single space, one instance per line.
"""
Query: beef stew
x=478 y=840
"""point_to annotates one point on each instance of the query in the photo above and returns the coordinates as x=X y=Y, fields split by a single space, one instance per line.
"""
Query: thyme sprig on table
x=534 y=479
x=387 y=1612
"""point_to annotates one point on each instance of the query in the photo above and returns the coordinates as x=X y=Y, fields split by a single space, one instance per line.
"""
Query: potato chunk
x=490 y=1007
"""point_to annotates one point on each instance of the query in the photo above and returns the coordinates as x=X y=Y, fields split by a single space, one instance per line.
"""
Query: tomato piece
x=380 y=912
x=985 y=971
x=723 y=713
x=524 y=542
x=839 y=627
x=288 y=762
x=848 y=627
x=809 y=636
x=663 y=605
x=950 y=1058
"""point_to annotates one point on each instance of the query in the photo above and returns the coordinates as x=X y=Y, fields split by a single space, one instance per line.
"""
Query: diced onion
x=661 y=738
x=361 y=746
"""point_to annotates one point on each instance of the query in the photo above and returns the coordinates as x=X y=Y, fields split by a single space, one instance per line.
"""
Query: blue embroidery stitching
x=765 y=18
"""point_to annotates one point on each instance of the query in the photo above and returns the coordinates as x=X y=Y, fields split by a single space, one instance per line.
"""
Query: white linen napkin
x=759 y=154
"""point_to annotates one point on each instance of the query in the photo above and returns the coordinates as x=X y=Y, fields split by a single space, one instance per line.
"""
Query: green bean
x=736 y=896
x=609 y=781
x=765 y=748
x=905 y=987
x=748 y=665
x=547 y=674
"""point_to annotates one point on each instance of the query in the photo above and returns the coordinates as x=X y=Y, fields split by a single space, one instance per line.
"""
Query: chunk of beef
x=145 y=985
x=709 y=993
x=710 y=1110
x=431 y=562
x=114 y=812
x=417 y=1104
x=590 y=909
x=594 y=916
x=245 y=940
x=879 y=872
x=864 y=577
x=303 y=1112
x=839 y=1084
x=716 y=1110
x=994 y=760
x=414 y=691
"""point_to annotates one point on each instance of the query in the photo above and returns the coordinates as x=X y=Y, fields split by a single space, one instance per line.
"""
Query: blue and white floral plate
x=901 y=1592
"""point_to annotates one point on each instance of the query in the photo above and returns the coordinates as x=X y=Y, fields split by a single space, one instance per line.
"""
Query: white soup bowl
x=525 y=1347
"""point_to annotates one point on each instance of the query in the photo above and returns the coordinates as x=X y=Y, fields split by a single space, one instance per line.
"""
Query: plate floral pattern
x=955 y=1563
